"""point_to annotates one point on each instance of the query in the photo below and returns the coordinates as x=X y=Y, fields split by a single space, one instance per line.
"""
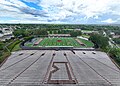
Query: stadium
x=59 y=60
x=58 y=41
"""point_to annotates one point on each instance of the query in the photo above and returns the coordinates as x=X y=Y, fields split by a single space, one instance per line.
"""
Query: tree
x=40 y=32
x=99 y=40
x=116 y=40
x=19 y=32
x=55 y=32
x=1 y=45
x=50 y=31
x=75 y=33
x=115 y=54
x=59 y=31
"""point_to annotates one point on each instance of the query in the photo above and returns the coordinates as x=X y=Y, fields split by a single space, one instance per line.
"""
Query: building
x=77 y=29
x=59 y=35
x=116 y=36
x=88 y=32
x=6 y=33
x=112 y=33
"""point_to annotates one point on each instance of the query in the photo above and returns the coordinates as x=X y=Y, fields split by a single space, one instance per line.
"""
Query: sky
x=60 y=11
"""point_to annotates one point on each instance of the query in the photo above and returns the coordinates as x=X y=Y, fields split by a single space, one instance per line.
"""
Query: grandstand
x=81 y=43
x=59 y=68
x=36 y=43
x=59 y=35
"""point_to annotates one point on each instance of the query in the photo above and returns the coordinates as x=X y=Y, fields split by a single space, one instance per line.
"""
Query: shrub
x=1 y=46
x=28 y=38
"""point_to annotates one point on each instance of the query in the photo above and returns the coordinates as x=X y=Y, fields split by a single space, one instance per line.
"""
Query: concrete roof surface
x=59 y=68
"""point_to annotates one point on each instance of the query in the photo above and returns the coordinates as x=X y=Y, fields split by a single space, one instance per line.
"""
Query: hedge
x=28 y=38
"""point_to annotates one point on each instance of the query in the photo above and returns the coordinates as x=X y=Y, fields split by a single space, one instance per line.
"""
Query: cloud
x=21 y=11
x=109 y=21
x=33 y=1
x=34 y=12
x=89 y=8
x=67 y=11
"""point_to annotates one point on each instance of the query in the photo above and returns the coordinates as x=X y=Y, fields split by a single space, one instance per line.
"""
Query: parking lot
x=66 y=68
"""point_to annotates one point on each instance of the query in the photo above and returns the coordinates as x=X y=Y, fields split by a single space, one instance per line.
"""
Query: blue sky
x=60 y=11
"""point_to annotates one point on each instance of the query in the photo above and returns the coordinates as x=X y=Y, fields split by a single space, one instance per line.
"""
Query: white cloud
x=10 y=6
x=33 y=1
x=30 y=22
x=16 y=3
x=58 y=10
x=109 y=21
x=89 y=8
x=96 y=17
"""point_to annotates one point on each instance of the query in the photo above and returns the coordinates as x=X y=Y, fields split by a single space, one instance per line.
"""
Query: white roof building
x=6 y=33
x=59 y=35
x=88 y=32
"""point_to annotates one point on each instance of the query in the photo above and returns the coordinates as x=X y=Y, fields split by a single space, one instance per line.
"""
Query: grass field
x=63 y=41
x=17 y=47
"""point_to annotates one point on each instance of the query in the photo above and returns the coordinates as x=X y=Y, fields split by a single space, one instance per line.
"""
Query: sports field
x=62 y=41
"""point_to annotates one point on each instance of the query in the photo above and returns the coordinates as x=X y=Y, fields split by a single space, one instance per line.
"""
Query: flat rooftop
x=59 y=68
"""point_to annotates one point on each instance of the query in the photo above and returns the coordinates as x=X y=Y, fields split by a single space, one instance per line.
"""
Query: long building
x=6 y=33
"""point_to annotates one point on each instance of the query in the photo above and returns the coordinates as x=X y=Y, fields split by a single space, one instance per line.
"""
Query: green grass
x=46 y=42
x=88 y=43
x=64 y=42
x=29 y=44
x=4 y=56
x=86 y=36
x=86 y=30
x=17 y=47
x=13 y=46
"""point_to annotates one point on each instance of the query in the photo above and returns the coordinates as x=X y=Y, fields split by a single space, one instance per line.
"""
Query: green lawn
x=63 y=42
x=88 y=43
x=13 y=46
x=4 y=56
x=46 y=42
x=17 y=47
x=86 y=36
